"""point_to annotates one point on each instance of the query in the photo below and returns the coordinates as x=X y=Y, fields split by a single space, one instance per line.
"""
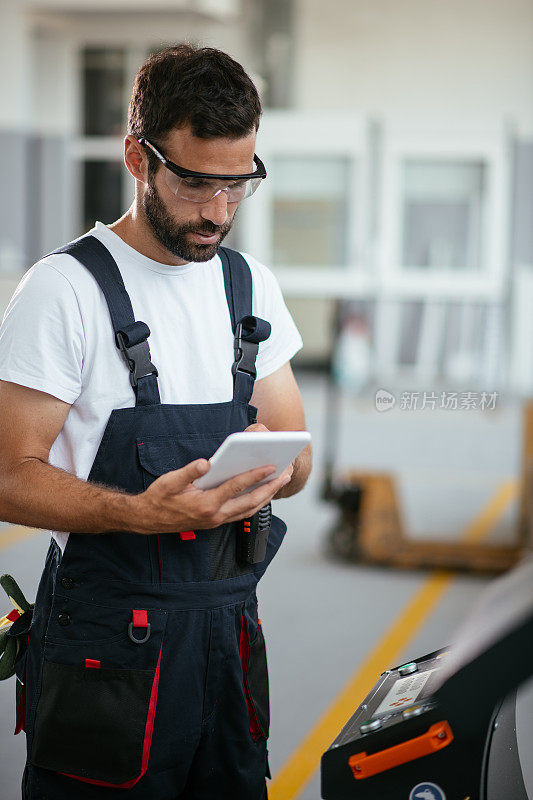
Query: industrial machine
x=456 y=724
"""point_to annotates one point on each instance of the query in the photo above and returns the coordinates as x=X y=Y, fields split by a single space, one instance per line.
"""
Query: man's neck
x=135 y=231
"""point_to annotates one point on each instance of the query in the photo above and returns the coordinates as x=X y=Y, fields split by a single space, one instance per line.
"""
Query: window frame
x=85 y=148
x=283 y=134
x=487 y=147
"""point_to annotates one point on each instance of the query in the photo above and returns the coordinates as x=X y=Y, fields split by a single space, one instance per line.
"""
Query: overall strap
x=130 y=336
x=248 y=331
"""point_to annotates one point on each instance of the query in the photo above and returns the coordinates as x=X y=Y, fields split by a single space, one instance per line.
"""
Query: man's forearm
x=39 y=495
x=301 y=469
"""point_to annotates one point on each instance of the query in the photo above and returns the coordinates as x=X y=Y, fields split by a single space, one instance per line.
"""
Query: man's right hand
x=37 y=494
x=172 y=503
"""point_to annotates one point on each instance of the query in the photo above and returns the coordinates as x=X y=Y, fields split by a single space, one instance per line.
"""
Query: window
x=103 y=92
x=442 y=214
x=309 y=210
x=103 y=123
x=102 y=198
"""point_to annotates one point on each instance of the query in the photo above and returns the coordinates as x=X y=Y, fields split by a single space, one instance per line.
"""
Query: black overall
x=146 y=672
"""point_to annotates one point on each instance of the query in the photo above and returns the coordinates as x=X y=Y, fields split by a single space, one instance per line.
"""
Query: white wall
x=14 y=68
x=423 y=60
x=60 y=36
x=217 y=7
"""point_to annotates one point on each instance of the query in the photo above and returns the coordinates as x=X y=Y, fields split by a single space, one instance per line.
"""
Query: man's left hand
x=255 y=428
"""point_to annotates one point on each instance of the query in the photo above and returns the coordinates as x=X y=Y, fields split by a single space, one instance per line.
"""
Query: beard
x=173 y=236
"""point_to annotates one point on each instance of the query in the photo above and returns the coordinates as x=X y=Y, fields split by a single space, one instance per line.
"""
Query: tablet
x=243 y=451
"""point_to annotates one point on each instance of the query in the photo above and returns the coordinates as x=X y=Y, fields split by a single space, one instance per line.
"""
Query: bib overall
x=145 y=674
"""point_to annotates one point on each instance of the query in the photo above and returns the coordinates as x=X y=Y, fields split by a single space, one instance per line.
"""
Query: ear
x=135 y=159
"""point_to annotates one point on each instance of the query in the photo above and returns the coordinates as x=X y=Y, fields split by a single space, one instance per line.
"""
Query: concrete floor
x=321 y=617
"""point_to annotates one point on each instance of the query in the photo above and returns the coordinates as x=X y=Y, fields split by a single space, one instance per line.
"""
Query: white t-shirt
x=56 y=336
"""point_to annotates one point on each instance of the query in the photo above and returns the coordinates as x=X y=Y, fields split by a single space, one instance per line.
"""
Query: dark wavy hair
x=197 y=86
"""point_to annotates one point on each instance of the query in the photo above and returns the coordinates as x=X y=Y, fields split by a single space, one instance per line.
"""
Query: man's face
x=193 y=231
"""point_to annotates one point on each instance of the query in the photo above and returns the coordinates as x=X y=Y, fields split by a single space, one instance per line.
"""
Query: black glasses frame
x=181 y=172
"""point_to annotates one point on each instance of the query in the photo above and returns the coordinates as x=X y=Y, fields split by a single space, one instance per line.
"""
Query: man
x=146 y=669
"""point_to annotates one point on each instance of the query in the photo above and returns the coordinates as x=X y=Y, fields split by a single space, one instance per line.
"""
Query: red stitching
x=244 y=651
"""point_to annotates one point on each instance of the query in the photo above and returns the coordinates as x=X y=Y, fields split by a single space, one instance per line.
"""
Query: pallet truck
x=369 y=527
x=456 y=724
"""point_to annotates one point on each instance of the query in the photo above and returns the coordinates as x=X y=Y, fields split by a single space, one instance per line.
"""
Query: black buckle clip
x=245 y=354
x=137 y=358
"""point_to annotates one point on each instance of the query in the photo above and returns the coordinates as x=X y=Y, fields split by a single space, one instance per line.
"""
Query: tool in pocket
x=13 y=626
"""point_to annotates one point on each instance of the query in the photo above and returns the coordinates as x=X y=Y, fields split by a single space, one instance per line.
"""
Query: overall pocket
x=160 y=454
x=255 y=679
x=214 y=557
x=95 y=715
x=156 y=457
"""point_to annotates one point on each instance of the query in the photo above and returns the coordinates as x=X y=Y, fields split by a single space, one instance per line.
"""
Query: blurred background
x=397 y=216
x=399 y=143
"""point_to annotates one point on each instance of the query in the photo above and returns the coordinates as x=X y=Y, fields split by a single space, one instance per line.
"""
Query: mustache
x=208 y=228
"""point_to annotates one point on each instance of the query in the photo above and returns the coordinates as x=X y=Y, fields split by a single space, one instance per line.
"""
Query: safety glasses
x=201 y=187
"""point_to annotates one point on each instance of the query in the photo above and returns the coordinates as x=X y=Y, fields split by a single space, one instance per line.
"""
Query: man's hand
x=258 y=426
x=172 y=502
x=279 y=408
x=35 y=493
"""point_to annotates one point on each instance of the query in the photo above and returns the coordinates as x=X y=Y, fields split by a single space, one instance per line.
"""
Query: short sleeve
x=41 y=336
x=268 y=303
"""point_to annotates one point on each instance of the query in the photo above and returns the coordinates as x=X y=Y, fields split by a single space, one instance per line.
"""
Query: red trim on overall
x=244 y=651
x=140 y=618
x=92 y=663
x=186 y=536
x=148 y=731
x=13 y=615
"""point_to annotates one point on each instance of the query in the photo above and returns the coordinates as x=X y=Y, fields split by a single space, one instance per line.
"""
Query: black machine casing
x=464 y=686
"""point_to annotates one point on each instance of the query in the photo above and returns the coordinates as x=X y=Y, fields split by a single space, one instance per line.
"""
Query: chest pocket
x=155 y=458
x=164 y=454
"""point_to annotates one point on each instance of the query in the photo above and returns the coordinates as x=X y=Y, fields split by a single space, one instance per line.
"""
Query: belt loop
x=139 y=620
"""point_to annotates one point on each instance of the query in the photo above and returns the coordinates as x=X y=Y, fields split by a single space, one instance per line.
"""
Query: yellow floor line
x=491 y=513
x=13 y=534
x=300 y=768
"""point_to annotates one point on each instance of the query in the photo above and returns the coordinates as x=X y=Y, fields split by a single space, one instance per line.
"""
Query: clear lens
x=253 y=184
x=200 y=190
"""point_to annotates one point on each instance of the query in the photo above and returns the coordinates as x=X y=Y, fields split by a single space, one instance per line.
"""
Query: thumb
x=180 y=478
x=256 y=426
x=195 y=469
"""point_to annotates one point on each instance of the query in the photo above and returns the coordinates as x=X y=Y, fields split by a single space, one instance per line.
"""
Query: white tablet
x=243 y=451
